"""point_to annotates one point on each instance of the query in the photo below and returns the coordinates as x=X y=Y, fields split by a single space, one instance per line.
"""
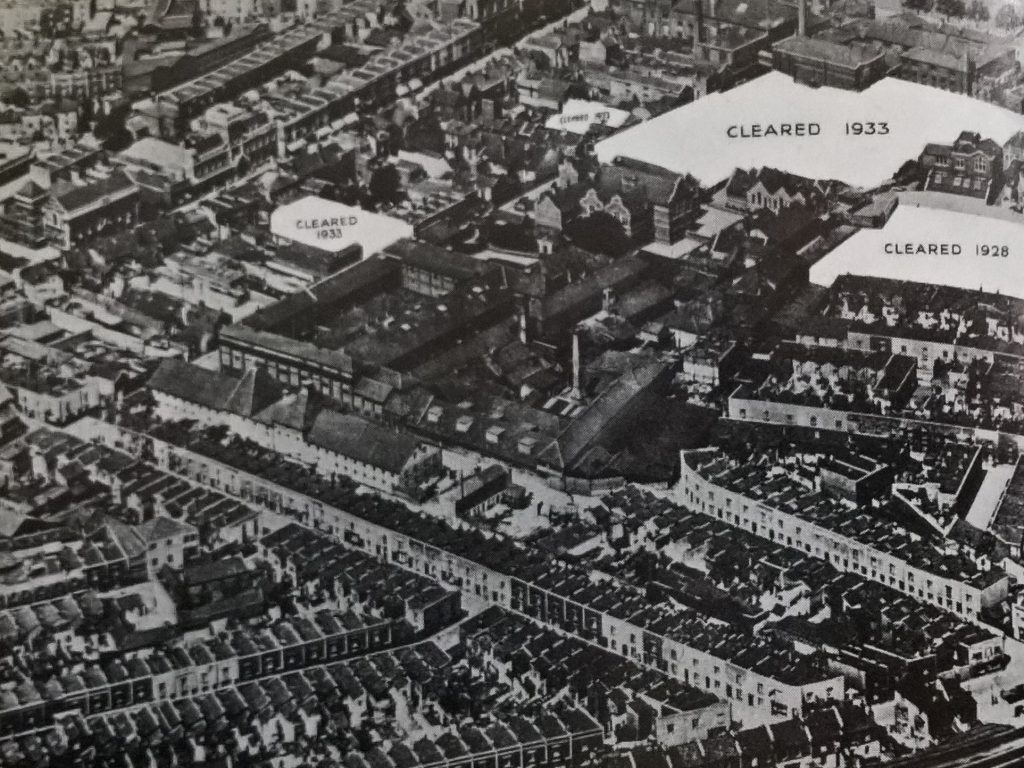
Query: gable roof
x=295 y=412
x=73 y=198
x=774 y=180
x=179 y=379
x=163 y=527
x=30 y=189
x=659 y=184
x=246 y=396
x=363 y=441
x=256 y=391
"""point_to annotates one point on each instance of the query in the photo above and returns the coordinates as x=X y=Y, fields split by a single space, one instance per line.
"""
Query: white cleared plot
x=578 y=115
x=895 y=251
x=694 y=138
x=332 y=226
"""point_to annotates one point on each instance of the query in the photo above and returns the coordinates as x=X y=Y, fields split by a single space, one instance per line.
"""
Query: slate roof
x=660 y=184
x=73 y=198
x=363 y=441
x=295 y=412
x=252 y=393
x=163 y=527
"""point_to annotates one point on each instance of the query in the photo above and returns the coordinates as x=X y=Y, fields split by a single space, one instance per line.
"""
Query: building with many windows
x=970 y=166
x=89 y=208
x=775 y=507
x=822 y=62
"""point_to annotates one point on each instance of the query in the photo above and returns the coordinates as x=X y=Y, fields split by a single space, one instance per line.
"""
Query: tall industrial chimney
x=577 y=391
x=801 y=18
x=698 y=29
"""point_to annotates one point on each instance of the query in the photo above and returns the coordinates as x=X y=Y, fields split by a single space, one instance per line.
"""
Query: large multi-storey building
x=651 y=203
x=22 y=218
x=78 y=211
x=248 y=134
x=822 y=62
x=497 y=18
x=970 y=166
x=199 y=163
x=337 y=444
x=170 y=112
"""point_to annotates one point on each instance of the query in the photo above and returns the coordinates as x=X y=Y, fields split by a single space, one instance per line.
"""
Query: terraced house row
x=191 y=669
x=757 y=675
x=248 y=718
x=769 y=503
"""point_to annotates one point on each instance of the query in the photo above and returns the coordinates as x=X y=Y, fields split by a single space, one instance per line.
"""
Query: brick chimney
x=577 y=391
x=698 y=30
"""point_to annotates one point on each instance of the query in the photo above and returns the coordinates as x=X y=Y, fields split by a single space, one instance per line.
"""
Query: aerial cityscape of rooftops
x=511 y=383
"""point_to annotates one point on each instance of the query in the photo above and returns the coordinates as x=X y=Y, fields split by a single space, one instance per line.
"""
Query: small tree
x=19 y=97
x=951 y=8
x=910 y=172
x=386 y=185
x=600 y=233
x=1006 y=17
x=85 y=114
x=918 y=5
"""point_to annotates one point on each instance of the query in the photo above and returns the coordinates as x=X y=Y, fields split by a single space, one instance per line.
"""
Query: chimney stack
x=801 y=17
x=607 y=300
x=698 y=30
x=577 y=392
